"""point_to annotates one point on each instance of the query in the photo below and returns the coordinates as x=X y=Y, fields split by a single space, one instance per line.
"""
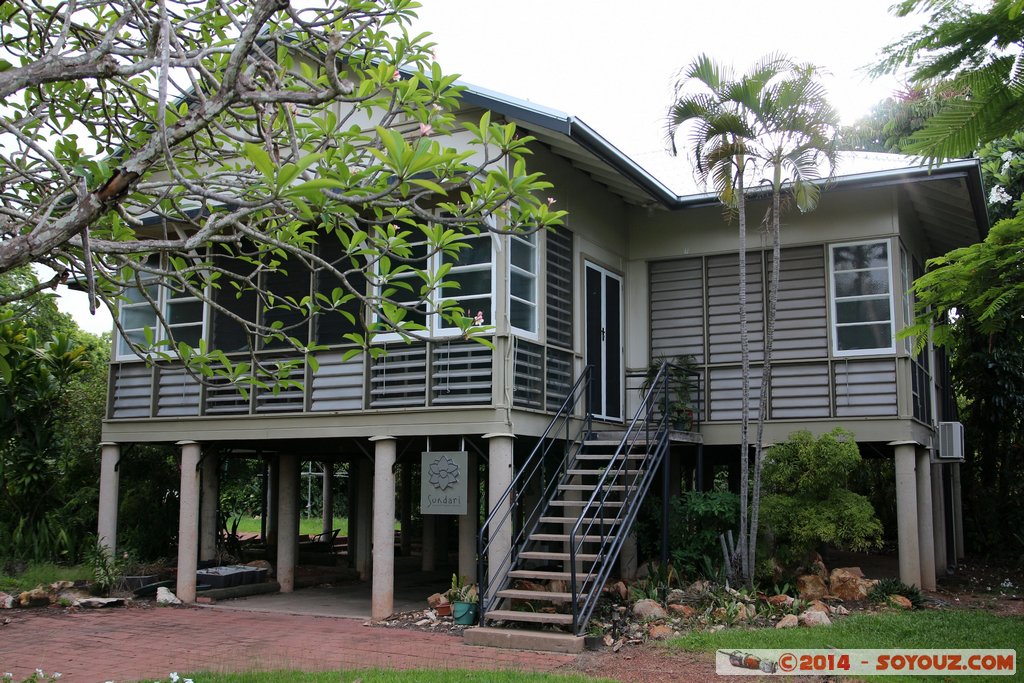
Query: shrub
x=696 y=518
x=809 y=504
x=889 y=586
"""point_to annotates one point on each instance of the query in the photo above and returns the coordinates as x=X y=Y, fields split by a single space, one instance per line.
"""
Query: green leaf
x=260 y=159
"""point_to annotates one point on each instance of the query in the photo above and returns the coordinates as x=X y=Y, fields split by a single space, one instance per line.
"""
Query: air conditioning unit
x=951 y=441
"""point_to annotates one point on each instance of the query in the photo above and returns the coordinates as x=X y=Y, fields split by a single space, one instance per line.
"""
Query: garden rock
x=659 y=632
x=849 y=584
x=675 y=597
x=810 y=587
x=37 y=597
x=815 y=618
x=818 y=606
x=839 y=610
x=7 y=601
x=648 y=609
x=781 y=600
x=788 y=621
x=164 y=596
x=900 y=602
x=98 y=603
x=621 y=590
x=435 y=600
x=684 y=611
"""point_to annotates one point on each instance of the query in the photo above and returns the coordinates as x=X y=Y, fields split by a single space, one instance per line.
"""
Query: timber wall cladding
x=694 y=307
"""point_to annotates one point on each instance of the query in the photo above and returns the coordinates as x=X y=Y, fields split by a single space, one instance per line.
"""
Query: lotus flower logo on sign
x=443 y=483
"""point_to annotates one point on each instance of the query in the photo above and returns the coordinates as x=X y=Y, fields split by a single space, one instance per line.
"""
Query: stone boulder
x=7 y=601
x=435 y=600
x=788 y=621
x=648 y=609
x=676 y=597
x=818 y=606
x=811 y=587
x=815 y=618
x=99 y=603
x=848 y=584
x=659 y=632
x=164 y=596
x=900 y=602
x=685 y=611
x=781 y=600
x=37 y=597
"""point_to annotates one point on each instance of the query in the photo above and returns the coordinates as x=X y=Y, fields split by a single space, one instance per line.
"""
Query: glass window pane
x=523 y=286
x=472 y=282
x=523 y=255
x=138 y=317
x=523 y=316
x=857 y=256
x=860 y=337
x=134 y=295
x=189 y=334
x=476 y=251
x=864 y=310
x=138 y=336
x=184 y=312
x=862 y=283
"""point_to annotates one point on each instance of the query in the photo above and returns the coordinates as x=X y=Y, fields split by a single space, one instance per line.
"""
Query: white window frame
x=834 y=300
x=439 y=323
x=533 y=241
x=163 y=300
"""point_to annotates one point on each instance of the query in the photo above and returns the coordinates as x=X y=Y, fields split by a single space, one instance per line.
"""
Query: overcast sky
x=612 y=64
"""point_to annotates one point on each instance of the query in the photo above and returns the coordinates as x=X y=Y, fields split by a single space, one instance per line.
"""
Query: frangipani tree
x=182 y=152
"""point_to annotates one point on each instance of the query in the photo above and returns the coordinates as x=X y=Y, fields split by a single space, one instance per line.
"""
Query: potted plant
x=682 y=380
x=464 y=598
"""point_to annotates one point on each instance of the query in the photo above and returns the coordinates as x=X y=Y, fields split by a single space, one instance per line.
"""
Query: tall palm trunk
x=766 y=375
x=746 y=563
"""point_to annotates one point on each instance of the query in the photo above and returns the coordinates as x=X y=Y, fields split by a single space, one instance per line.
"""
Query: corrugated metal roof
x=947 y=198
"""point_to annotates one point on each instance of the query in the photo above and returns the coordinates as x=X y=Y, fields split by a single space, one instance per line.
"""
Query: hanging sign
x=443 y=489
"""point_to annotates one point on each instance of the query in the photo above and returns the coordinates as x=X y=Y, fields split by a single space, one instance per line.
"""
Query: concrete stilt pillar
x=188 y=521
x=428 y=555
x=273 y=487
x=106 y=531
x=208 y=504
x=628 y=557
x=925 y=527
x=939 y=518
x=958 y=517
x=469 y=523
x=499 y=475
x=287 y=520
x=405 y=500
x=382 y=589
x=906 y=514
x=327 y=496
x=364 y=519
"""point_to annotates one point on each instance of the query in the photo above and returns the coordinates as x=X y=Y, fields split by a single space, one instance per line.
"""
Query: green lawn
x=310 y=527
x=920 y=629
x=41 y=574
x=386 y=676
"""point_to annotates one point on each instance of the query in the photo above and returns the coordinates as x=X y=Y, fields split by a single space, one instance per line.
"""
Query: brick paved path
x=137 y=644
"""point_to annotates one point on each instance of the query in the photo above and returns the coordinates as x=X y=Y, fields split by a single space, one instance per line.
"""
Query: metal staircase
x=569 y=509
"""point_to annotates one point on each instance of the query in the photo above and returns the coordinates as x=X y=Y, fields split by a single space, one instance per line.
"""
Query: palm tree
x=796 y=144
x=772 y=121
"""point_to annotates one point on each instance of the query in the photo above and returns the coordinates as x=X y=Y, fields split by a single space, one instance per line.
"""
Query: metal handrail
x=505 y=515
x=654 y=429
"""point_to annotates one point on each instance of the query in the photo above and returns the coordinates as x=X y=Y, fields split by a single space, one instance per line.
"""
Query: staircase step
x=590 y=487
x=522 y=639
x=606 y=457
x=593 y=538
x=572 y=520
x=615 y=442
x=546 y=555
x=581 y=503
x=533 y=617
x=516 y=594
x=539 y=574
x=597 y=471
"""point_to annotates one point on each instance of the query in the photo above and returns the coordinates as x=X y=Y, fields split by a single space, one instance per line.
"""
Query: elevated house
x=554 y=421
